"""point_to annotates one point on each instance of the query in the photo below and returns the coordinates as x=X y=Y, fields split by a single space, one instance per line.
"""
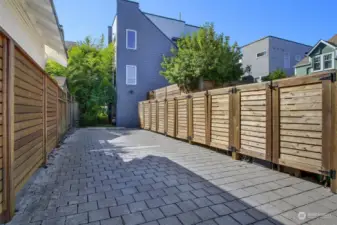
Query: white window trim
x=127 y=47
x=126 y=75
x=332 y=59
x=313 y=63
x=322 y=62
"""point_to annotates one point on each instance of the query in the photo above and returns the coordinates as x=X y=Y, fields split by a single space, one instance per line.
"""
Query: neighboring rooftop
x=333 y=40
x=276 y=38
x=70 y=44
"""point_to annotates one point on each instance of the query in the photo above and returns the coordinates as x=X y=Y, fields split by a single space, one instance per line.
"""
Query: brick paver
x=104 y=176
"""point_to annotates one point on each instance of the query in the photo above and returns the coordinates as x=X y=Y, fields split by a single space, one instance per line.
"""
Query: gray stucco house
x=271 y=53
x=141 y=40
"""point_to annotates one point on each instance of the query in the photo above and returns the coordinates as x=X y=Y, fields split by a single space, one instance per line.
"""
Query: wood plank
x=26 y=124
x=250 y=93
x=254 y=139
x=302 y=100
x=220 y=133
x=20 y=160
x=220 y=129
x=253 y=108
x=300 y=165
x=27 y=94
x=254 y=118
x=307 y=134
x=253 y=133
x=253 y=97
x=300 y=146
x=301 y=114
x=311 y=141
x=299 y=94
x=253 y=113
x=27 y=101
x=301 y=120
x=305 y=154
x=23 y=141
x=26 y=86
x=253 y=103
x=253 y=128
x=27 y=109
x=22 y=75
x=333 y=152
x=303 y=127
x=253 y=144
x=301 y=88
x=252 y=148
x=254 y=123
x=25 y=132
x=223 y=146
x=308 y=161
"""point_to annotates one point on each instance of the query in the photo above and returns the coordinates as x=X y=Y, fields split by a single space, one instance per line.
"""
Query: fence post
x=165 y=115
x=189 y=118
x=269 y=120
x=235 y=124
x=276 y=124
x=208 y=108
x=333 y=156
x=57 y=114
x=327 y=124
x=8 y=126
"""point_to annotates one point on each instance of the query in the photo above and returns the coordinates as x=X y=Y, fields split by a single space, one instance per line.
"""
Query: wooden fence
x=289 y=122
x=34 y=114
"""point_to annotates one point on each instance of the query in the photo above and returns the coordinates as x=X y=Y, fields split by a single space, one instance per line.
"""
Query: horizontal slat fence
x=33 y=108
x=153 y=115
x=289 y=122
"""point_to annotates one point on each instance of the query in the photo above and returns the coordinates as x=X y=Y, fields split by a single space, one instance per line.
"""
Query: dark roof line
x=270 y=36
x=163 y=17
x=192 y=25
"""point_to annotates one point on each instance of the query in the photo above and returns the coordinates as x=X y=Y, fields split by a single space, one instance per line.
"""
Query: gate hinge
x=271 y=85
x=232 y=149
x=189 y=138
x=233 y=90
x=329 y=173
x=331 y=77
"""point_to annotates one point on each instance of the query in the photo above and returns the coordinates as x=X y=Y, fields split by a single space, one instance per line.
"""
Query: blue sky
x=243 y=20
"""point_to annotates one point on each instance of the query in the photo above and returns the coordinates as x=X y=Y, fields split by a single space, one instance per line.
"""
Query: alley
x=103 y=176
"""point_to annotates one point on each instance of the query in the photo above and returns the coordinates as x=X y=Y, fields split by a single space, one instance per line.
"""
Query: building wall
x=277 y=50
x=12 y=21
x=152 y=44
x=260 y=66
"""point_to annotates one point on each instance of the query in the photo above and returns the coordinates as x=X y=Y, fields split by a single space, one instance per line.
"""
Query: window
x=260 y=54
x=327 y=61
x=298 y=58
x=317 y=63
x=131 y=39
x=131 y=75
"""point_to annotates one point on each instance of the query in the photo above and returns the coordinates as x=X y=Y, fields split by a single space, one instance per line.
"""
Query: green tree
x=204 y=54
x=90 y=70
x=277 y=74
x=55 y=69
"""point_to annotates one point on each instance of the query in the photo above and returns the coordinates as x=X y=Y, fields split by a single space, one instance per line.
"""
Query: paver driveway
x=109 y=176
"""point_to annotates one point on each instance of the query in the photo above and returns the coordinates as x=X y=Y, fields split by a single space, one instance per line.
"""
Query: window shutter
x=131 y=75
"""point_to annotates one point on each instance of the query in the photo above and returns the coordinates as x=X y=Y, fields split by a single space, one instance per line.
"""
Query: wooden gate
x=302 y=123
x=218 y=116
x=199 y=117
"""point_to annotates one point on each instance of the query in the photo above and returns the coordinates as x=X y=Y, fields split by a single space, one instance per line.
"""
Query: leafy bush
x=277 y=74
x=203 y=55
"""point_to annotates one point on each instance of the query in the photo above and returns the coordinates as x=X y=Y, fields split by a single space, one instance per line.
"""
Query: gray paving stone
x=186 y=196
x=221 y=209
x=170 y=199
x=151 y=223
x=205 y=213
x=129 y=191
x=96 y=196
x=113 y=221
x=189 y=218
x=202 y=202
x=186 y=206
x=243 y=218
x=106 y=203
x=208 y=222
x=156 y=193
x=66 y=210
x=226 y=220
x=154 y=203
x=124 y=199
x=85 y=207
x=77 y=199
x=170 y=210
x=258 y=215
x=137 y=206
x=119 y=210
x=152 y=214
x=55 y=221
x=169 y=221
x=133 y=219
x=100 y=214
x=77 y=219
x=185 y=187
x=141 y=196
x=113 y=194
x=216 y=199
